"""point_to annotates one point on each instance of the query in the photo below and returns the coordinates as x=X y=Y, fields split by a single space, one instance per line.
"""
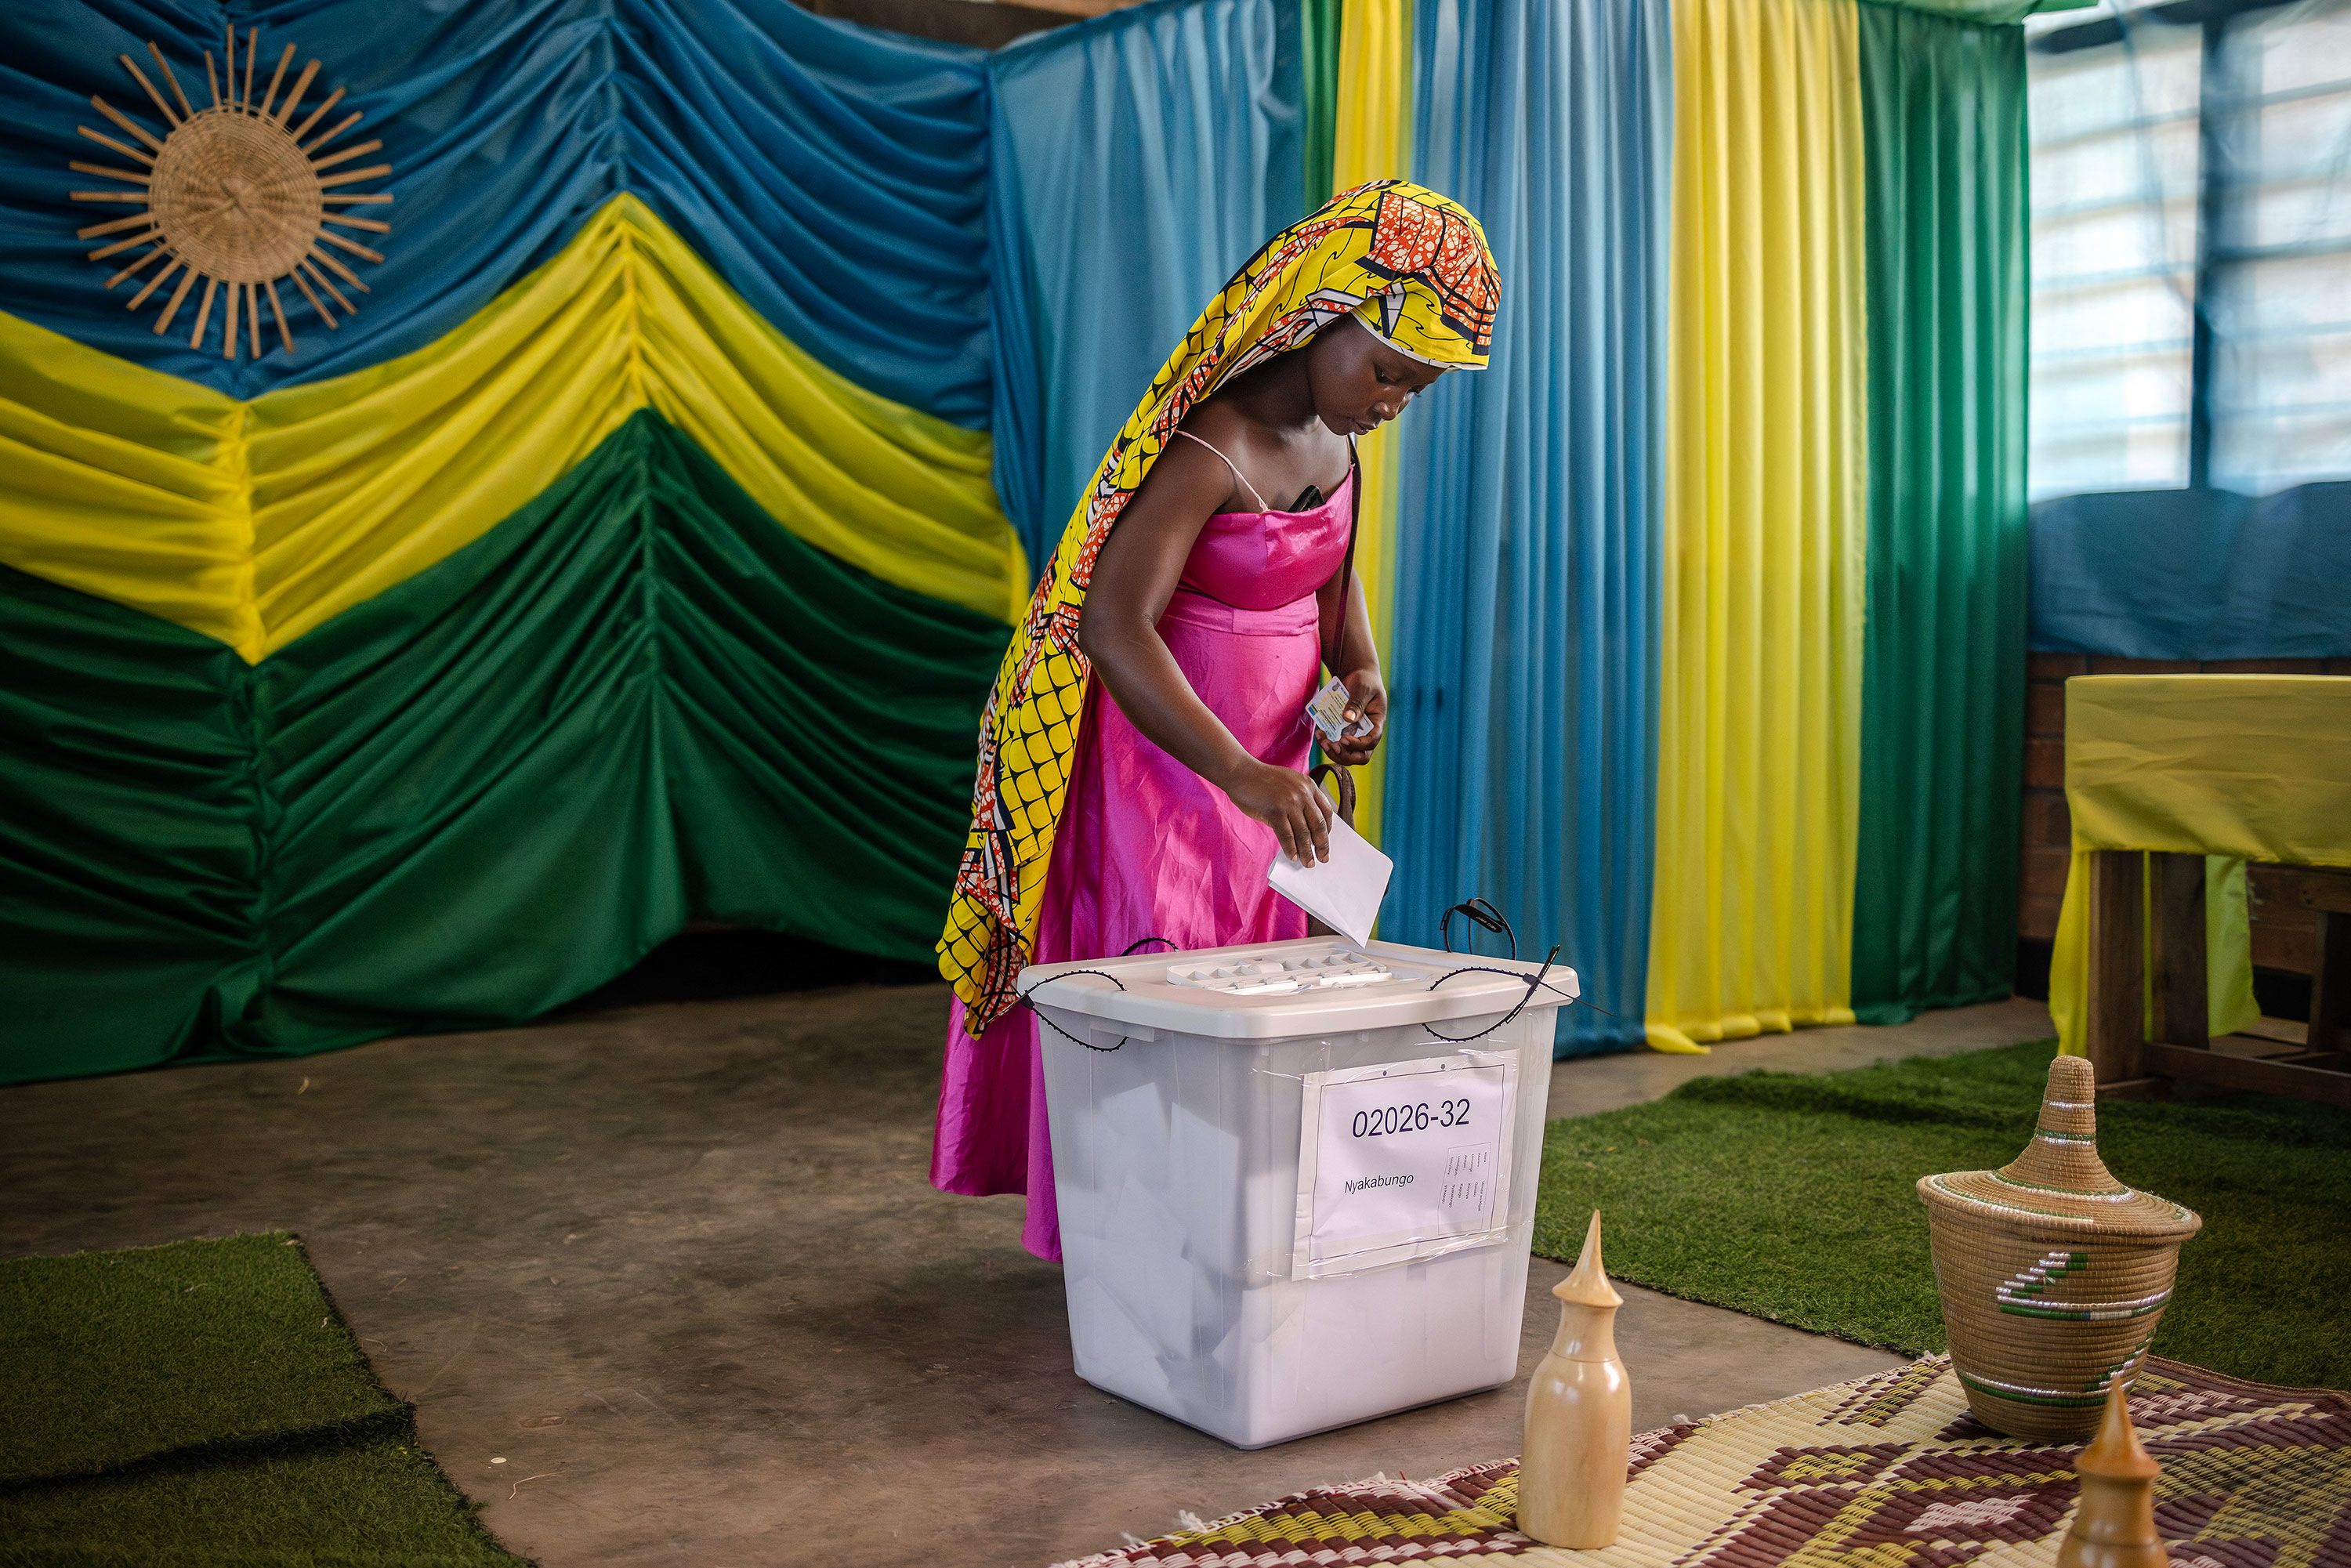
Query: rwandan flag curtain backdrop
x=635 y=554
x=629 y=557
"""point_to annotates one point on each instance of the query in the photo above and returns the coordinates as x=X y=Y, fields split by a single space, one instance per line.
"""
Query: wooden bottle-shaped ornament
x=2114 y=1526
x=1579 y=1417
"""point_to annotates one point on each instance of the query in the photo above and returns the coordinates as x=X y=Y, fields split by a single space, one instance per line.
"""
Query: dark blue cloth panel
x=833 y=174
x=1524 y=669
x=2195 y=574
x=1138 y=160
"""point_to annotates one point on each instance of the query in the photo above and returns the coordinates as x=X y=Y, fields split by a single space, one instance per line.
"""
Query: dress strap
x=1229 y=464
x=1346 y=575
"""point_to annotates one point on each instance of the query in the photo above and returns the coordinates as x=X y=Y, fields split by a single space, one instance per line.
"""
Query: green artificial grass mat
x=378 y=1502
x=197 y=1345
x=204 y=1403
x=1793 y=1197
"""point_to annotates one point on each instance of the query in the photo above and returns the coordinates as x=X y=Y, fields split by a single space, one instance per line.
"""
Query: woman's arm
x=1355 y=658
x=1135 y=577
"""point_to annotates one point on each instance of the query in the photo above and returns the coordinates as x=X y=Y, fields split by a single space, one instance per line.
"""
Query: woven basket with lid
x=2052 y=1274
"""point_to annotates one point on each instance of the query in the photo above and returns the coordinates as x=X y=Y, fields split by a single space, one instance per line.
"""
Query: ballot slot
x=1335 y=968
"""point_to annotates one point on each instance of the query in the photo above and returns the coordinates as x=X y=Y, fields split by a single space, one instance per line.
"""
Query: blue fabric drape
x=1137 y=161
x=1524 y=670
x=833 y=174
x=2195 y=574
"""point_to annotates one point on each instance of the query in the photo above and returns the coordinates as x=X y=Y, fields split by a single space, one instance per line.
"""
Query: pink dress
x=1146 y=846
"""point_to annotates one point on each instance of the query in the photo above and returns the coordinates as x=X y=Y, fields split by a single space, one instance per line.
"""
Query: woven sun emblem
x=237 y=194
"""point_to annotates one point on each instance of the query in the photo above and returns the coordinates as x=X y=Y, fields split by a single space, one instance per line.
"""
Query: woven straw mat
x=1890 y=1471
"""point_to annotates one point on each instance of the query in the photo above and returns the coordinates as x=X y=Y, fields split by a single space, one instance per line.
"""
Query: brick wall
x=2283 y=931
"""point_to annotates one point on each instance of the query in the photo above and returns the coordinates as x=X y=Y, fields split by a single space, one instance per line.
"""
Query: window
x=2191 y=246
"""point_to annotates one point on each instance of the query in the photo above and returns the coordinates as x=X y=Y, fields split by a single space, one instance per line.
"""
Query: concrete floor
x=668 y=1285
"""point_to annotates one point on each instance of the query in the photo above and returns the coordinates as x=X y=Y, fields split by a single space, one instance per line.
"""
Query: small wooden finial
x=2115 y=1525
x=1587 y=1285
x=2115 y=1452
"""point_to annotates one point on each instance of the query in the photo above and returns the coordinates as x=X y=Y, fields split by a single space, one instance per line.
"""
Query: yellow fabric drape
x=256 y=522
x=1372 y=141
x=1759 y=721
x=2233 y=768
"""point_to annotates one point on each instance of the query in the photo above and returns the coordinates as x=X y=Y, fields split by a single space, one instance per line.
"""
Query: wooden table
x=2160 y=772
x=2181 y=1046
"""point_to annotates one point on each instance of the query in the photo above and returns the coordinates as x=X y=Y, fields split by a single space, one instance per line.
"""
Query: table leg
x=2114 y=1038
x=2330 y=984
x=2182 y=1013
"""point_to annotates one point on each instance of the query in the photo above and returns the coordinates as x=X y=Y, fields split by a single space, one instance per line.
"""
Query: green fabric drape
x=1319 y=42
x=1992 y=12
x=635 y=702
x=1943 y=686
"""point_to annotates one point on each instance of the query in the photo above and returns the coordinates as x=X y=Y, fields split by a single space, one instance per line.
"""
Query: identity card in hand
x=1327 y=709
x=1343 y=891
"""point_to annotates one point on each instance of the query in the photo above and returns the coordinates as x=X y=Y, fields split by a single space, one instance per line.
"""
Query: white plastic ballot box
x=1296 y=1181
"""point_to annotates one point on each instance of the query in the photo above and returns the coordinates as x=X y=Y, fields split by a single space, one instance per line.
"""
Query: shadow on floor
x=733 y=961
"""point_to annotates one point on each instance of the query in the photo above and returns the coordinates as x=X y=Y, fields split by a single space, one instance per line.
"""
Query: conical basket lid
x=2059 y=1180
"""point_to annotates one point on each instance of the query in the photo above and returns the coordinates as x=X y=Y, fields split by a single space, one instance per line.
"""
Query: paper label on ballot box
x=1404 y=1160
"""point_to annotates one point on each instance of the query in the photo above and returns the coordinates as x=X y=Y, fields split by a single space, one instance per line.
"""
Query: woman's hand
x=1285 y=800
x=1368 y=699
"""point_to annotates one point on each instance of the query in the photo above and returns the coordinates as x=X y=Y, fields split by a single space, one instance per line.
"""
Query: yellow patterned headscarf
x=1416 y=270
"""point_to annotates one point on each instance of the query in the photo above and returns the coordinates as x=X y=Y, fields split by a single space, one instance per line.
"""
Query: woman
x=1208 y=610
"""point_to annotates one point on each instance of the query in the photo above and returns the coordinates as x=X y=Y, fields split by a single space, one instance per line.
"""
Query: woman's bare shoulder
x=1220 y=420
x=1188 y=475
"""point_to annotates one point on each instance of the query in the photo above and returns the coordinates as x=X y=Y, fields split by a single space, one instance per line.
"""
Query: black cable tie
x=1478 y=912
x=1022 y=997
x=1534 y=985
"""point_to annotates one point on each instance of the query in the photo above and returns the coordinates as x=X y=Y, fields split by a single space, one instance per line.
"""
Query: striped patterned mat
x=1890 y=1471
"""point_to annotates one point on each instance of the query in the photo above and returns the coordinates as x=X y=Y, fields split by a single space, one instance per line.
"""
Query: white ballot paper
x=1343 y=891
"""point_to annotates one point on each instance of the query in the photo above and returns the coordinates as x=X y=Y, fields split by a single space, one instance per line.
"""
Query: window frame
x=2215 y=18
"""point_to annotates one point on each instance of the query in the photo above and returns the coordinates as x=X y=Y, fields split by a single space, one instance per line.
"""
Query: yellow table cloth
x=2233 y=768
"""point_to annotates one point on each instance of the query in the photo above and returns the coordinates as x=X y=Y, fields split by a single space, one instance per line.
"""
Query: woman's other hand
x=1287 y=801
x=1367 y=699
